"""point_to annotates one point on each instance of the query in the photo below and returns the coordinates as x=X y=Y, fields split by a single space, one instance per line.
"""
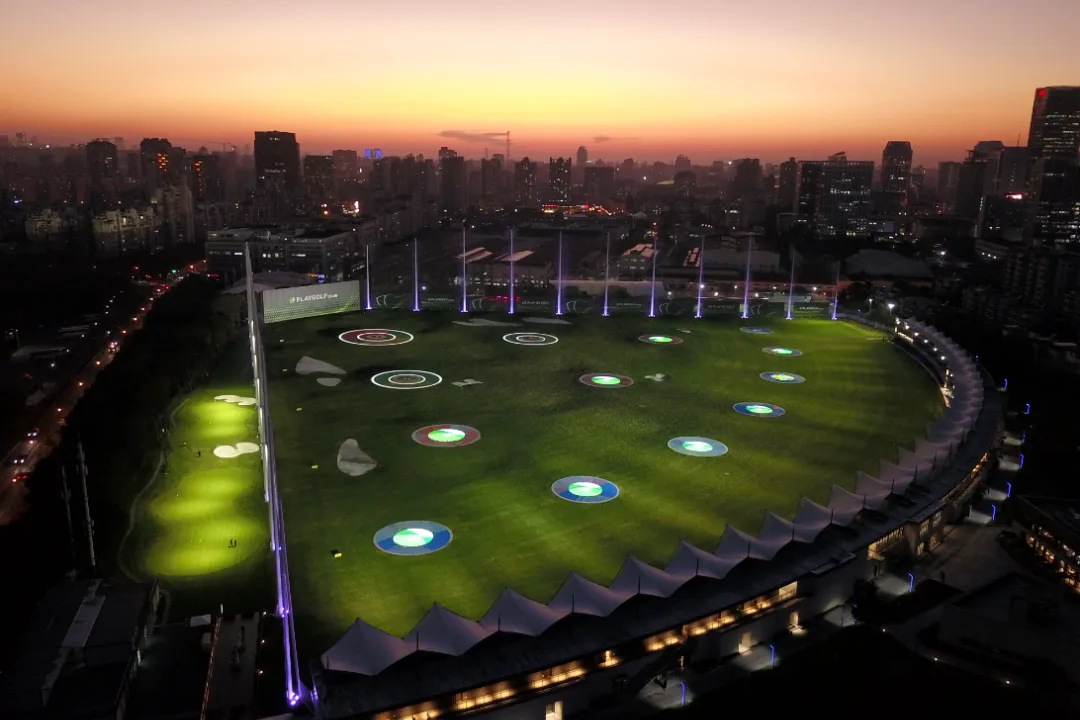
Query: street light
x=891 y=306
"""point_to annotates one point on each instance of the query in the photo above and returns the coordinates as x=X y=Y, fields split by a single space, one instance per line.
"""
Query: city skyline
x=749 y=81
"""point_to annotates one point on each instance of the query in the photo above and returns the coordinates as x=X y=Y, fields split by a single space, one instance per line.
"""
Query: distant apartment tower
x=948 y=176
x=599 y=183
x=206 y=178
x=787 y=185
x=453 y=184
x=1054 y=166
x=102 y=162
x=896 y=166
x=277 y=160
x=319 y=178
x=834 y=195
x=1011 y=176
x=155 y=155
x=491 y=172
x=682 y=164
x=559 y=180
x=582 y=156
x=525 y=191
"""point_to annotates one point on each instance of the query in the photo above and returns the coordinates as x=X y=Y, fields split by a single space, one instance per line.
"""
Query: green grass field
x=539 y=423
x=187 y=516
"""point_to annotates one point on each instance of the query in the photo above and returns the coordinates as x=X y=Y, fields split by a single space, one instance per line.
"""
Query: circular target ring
x=533 y=339
x=585 y=489
x=446 y=436
x=757 y=330
x=783 y=378
x=759 y=409
x=406 y=379
x=782 y=351
x=605 y=380
x=660 y=340
x=375 y=337
x=413 y=537
x=698 y=446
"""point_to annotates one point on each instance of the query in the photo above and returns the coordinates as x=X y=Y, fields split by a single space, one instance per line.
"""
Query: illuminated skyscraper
x=559 y=170
x=525 y=181
x=319 y=177
x=1054 y=166
x=834 y=195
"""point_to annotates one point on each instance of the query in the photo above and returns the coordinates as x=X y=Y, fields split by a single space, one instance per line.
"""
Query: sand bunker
x=231 y=451
x=484 y=322
x=309 y=366
x=329 y=382
x=547 y=321
x=353 y=461
x=242 y=401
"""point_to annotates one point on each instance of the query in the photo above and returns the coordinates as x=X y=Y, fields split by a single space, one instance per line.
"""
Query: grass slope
x=539 y=424
x=188 y=515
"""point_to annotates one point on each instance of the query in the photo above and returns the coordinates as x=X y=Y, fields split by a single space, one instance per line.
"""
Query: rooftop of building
x=77 y=648
x=1065 y=513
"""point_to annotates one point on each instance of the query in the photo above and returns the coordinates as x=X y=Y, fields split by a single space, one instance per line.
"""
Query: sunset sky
x=626 y=78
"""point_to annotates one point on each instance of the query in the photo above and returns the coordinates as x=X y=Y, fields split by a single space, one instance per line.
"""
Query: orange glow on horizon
x=683 y=76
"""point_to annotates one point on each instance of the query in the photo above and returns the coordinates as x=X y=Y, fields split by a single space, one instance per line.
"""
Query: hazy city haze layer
x=704 y=78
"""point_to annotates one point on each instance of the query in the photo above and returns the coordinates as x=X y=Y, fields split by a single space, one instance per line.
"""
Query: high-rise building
x=559 y=181
x=1011 y=177
x=971 y=183
x=525 y=181
x=948 y=175
x=682 y=164
x=748 y=178
x=787 y=185
x=599 y=183
x=319 y=177
x=102 y=162
x=155 y=155
x=206 y=178
x=834 y=195
x=453 y=183
x=277 y=160
x=582 y=157
x=1054 y=166
x=491 y=177
x=445 y=152
x=896 y=166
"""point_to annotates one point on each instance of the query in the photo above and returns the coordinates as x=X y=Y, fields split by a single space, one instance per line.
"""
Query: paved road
x=54 y=414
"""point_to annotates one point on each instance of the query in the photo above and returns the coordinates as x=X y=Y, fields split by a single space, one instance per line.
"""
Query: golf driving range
x=441 y=457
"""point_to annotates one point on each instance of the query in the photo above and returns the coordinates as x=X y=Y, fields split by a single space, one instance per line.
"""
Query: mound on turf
x=353 y=461
x=309 y=366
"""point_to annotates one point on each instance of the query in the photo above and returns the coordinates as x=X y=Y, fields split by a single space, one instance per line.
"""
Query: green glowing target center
x=659 y=339
x=759 y=409
x=446 y=435
x=605 y=380
x=783 y=377
x=697 y=446
x=413 y=537
x=782 y=351
x=585 y=489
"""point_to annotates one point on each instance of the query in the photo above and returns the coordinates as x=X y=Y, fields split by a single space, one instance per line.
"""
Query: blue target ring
x=585 y=489
x=783 y=377
x=757 y=330
x=413 y=537
x=759 y=409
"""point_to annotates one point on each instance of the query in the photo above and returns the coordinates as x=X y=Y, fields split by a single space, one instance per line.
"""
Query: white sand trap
x=683 y=330
x=467 y=382
x=231 y=451
x=547 y=321
x=242 y=401
x=484 y=322
x=657 y=377
x=329 y=382
x=353 y=461
x=309 y=366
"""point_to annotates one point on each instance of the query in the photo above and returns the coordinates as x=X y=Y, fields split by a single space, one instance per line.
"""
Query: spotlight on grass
x=314 y=467
x=336 y=554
